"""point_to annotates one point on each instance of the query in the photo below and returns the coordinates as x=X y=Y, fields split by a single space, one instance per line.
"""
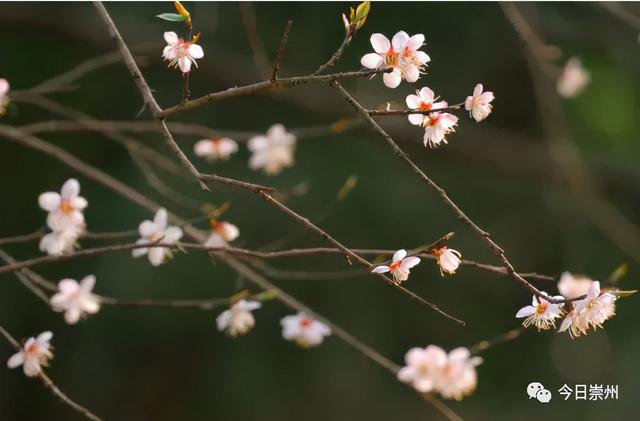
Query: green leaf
x=172 y=17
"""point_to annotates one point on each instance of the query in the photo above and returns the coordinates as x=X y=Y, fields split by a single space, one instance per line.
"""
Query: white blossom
x=401 y=54
x=423 y=100
x=181 y=53
x=238 y=320
x=217 y=148
x=157 y=231
x=272 y=152
x=76 y=299
x=65 y=208
x=304 y=330
x=436 y=127
x=61 y=242
x=479 y=104
x=572 y=286
x=590 y=312
x=34 y=355
x=541 y=313
x=573 y=79
x=448 y=259
x=430 y=369
x=400 y=266
x=223 y=233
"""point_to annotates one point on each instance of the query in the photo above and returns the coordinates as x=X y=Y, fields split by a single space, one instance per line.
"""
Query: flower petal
x=399 y=255
x=380 y=43
x=195 y=51
x=371 y=61
x=171 y=38
x=49 y=201
x=70 y=189
x=380 y=269
x=525 y=312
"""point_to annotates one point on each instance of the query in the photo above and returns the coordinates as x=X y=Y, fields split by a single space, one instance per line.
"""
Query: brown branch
x=135 y=197
x=350 y=254
x=145 y=91
x=488 y=343
x=262 y=86
x=256 y=188
x=49 y=384
x=85 y=122
x=455 y=107
x=484 y=235
x=336 y=55
x=36 y=235
x=280 y=53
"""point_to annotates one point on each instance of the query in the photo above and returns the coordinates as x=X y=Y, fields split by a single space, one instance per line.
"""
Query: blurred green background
x=172 y=364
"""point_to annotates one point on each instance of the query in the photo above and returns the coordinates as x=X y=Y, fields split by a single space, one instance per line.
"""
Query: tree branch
x=485 y=236
x=49 y=384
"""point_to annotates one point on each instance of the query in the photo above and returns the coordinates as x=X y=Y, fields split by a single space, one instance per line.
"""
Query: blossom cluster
x=400 y=267
x=403 y=55
x=431 y=369
x=590 y=312
x=271 y=152
x=300 y=328
x=65 y=218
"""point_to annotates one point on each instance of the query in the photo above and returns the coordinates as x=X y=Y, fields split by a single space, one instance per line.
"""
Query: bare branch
x=49 y=384
x=280 y=54
x=485 y=236
x=265 y=85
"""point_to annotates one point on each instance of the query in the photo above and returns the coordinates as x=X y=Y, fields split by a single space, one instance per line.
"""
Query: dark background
x=172 y=364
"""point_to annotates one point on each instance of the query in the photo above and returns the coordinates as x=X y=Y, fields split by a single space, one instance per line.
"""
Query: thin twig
x=454 y=107
x=265 y=85
x=49 y=384
x=335 y=56
x=36 y=235
x=256 y=188
x=135 y=197
x=280 y=54
x=350 y=254
x=484 y=235
x=488 y=343
x=144 y=89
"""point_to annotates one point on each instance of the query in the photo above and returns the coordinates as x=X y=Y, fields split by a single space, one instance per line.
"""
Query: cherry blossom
x=61 y=242
x=65 y=209
x=430 y=369
x=238 y=320
x=479 y=104
x=541 y=313
x=573 y=79
x=590 y=312
x=34 y=355
x=272 y=152
x=217 y=148
x=423 y=100
x=4 y=98
x=181 y=53
x=401 y=54
x=448 y=259
x=400 y=266
x=436 y=127
x=157 y=231
x=223 y=232
x=573 y=286
x=304 y=330
x=76 y=299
